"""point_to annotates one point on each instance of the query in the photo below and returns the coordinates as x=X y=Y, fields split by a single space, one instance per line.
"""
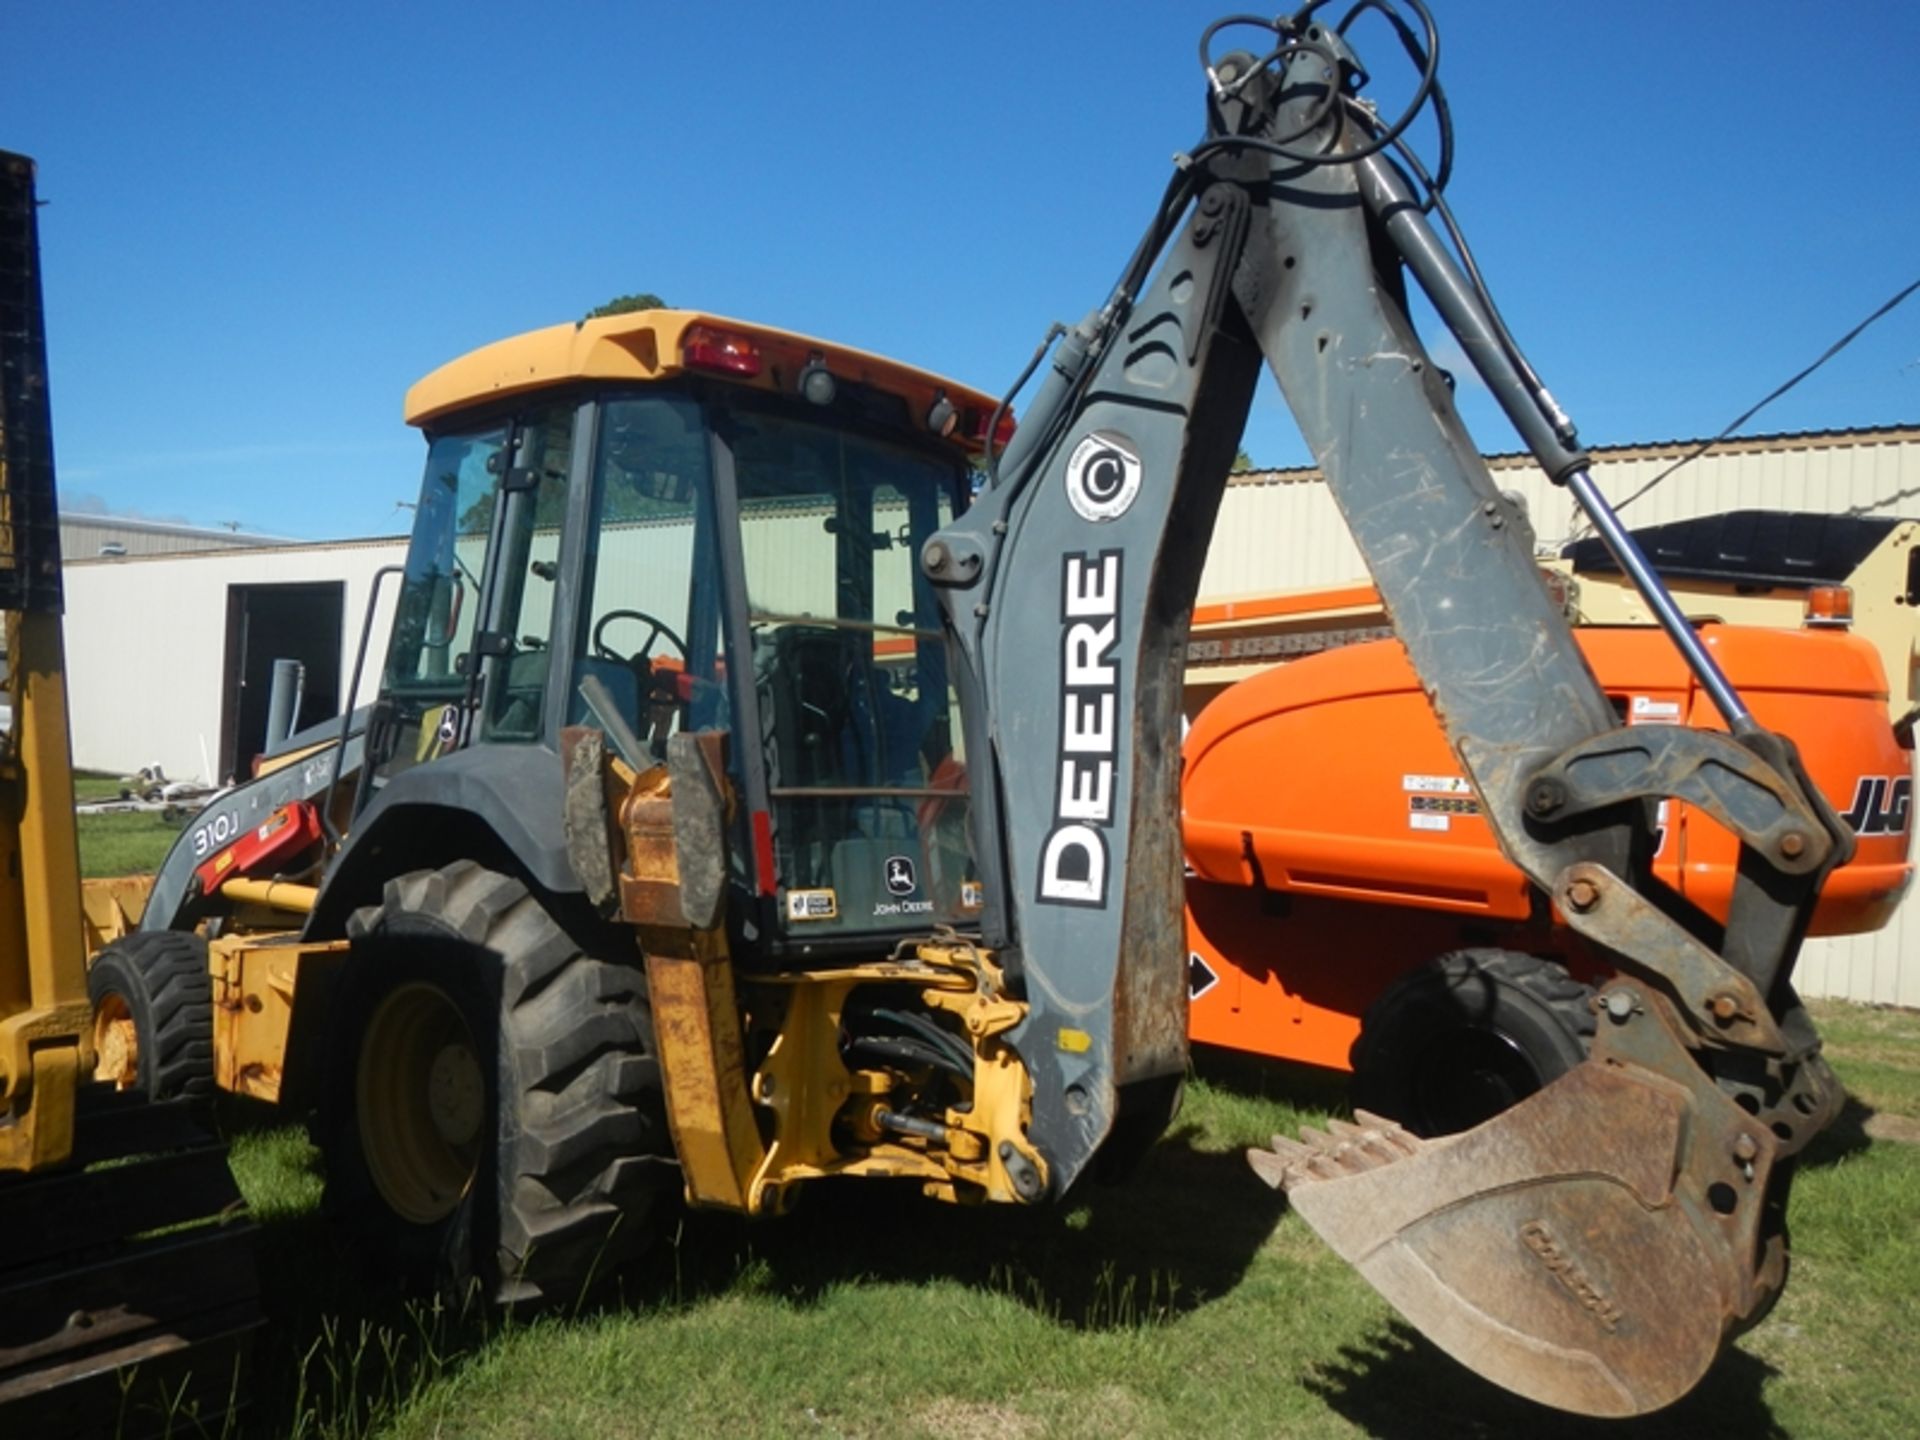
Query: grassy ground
x=126 y=844
x=98 y=785
x=1185 y=1301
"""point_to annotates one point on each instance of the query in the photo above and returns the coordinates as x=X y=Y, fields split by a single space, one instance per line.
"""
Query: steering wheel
x=658 y=629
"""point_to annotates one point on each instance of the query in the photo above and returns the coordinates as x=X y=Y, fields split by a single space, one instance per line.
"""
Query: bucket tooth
x=1343 y=1148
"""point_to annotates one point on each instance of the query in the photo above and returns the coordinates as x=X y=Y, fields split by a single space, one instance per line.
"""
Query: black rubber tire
x=573 y=1150
x=161 y=977
x=1467 y=1035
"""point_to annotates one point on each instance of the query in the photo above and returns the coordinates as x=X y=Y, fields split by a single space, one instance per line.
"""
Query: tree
x=1242 y=463
x=626 y=305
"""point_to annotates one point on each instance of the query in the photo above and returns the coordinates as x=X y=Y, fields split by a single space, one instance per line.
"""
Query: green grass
x=1187 y=1301
x=97 y=785
x=130 y=843
x=133 y=843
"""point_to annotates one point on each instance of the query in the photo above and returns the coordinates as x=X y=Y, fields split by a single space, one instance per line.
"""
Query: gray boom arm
x=1069 y=584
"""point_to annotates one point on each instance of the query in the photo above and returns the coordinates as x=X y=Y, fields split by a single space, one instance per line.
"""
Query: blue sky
x=267 y=220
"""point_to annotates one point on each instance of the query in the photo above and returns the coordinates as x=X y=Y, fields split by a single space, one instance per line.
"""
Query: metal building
x=85 y=536
x=1280 y=528
x=169 y=657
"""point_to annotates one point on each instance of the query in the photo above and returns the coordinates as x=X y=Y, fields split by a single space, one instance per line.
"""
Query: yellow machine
x=583 y=946
x=123 y=1294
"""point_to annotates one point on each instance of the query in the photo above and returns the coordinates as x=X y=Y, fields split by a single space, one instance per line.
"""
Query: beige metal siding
x=1281 y=529
x=1878 y=474
x=1278 y=535
x=85 y=537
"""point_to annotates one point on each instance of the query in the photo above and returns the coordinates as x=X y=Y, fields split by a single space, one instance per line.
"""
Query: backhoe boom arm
x=1067 y=589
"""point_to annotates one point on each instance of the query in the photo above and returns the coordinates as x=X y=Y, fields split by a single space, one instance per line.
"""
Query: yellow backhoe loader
x=752 y=799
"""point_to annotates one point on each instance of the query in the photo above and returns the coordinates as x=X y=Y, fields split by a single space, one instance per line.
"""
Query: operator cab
x=703 y=525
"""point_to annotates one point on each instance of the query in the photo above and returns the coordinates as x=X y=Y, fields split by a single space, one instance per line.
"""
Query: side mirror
x=443 y=611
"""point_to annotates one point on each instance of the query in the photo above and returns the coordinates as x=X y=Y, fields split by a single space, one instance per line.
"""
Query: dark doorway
x=266 y=623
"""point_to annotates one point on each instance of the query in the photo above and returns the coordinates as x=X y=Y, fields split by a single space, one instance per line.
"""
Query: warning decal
x=1443 y=805
x=1645 y=710
x=812 y=905
x=1436 y=784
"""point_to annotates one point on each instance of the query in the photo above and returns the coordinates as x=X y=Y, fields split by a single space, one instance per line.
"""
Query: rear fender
x=500 y=805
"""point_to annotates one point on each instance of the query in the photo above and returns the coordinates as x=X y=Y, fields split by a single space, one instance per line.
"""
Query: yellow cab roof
x=645 y=346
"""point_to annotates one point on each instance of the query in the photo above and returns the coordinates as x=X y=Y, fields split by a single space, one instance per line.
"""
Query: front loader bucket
x=1592 y=1248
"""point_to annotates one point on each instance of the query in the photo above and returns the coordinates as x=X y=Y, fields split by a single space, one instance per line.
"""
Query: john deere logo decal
x=900 y=877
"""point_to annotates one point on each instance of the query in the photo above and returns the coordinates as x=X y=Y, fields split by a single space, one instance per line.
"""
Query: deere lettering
x=1073 y=863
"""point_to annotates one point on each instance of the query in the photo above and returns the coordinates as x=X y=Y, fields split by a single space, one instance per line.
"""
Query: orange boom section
x=1334 y=845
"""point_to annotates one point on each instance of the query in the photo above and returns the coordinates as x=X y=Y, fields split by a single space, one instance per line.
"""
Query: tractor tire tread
x=1546 y=1012
x=163 y=976
x=581 y=1161
x=1544 y=979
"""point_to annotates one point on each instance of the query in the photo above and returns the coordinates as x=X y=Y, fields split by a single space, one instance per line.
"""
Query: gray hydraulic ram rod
x=1068 y=586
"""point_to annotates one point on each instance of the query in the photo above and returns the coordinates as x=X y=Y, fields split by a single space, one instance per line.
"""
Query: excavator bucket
x=1591 y=1248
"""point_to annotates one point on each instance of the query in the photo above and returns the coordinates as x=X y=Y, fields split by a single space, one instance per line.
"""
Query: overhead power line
x=1705 y=445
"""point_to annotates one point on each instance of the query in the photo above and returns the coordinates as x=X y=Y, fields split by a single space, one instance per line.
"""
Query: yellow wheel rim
x=422 y=1102
x=116 y=1043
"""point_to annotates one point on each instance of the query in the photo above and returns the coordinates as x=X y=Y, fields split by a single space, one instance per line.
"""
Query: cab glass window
x=651 y=625
x=440 y=588
x=860 y=734
x=527 y=580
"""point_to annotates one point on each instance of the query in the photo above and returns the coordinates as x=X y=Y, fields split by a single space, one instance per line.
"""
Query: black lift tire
x=493 y=1114
x=158 y=980
x=1466 y=1036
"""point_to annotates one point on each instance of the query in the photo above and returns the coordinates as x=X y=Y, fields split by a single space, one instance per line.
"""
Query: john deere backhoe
x=126 y=1269
x=751 y=799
